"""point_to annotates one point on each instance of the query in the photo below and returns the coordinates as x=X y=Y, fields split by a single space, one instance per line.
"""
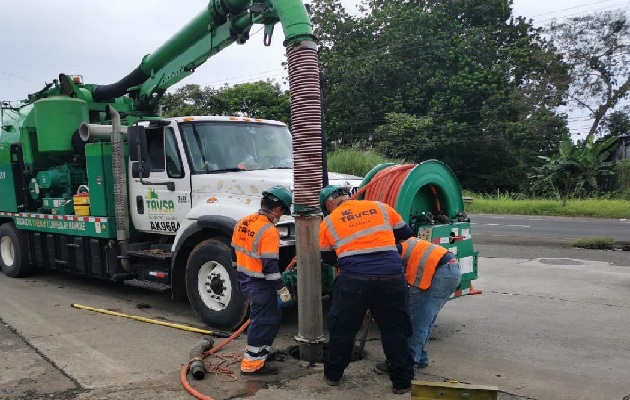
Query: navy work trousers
x=387 y=301
x=264 y=315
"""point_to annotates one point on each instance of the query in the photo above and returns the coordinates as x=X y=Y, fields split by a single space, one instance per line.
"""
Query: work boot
x=265 y=370
x=277 y=355
x=331 y=382
x=381 y=368
x=401 y=391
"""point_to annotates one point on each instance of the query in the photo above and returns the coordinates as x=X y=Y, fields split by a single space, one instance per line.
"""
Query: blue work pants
x=264 y=315
x=387 y=301
x=424 y=306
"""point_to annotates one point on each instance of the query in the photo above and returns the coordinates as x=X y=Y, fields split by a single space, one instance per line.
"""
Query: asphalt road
x=554 y=229
x=543 y=329
x=552 y=324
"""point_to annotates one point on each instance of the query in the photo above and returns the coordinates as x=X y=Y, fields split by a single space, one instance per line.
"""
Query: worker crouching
x=360 y=237
x=432 y=273
x=256 y=242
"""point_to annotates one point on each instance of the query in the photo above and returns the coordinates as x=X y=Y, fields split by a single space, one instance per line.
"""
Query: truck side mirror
x=137 y=140
x=135 y=169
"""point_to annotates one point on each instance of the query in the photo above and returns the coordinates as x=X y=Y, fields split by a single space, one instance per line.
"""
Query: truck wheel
x=14 y=252
x=212 y=285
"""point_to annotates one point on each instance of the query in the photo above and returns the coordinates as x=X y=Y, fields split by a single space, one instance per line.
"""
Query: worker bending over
x=432 y=273
x=360 y=237
x=256 y=242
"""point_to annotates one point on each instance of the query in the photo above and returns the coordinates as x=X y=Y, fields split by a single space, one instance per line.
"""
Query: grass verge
x=595 y=208
x=594 y=242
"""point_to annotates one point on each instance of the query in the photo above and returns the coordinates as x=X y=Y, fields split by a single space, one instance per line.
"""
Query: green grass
x=355 y=162
x=360 y=162
x=595 y=242
x=575 y=208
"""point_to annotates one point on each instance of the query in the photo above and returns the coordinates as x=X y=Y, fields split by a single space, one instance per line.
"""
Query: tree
x=597 y=47
x=617 y=123
x=190 y=99
x=392 y=138
x=576 y=168
x=483 y=82
x=263 y=99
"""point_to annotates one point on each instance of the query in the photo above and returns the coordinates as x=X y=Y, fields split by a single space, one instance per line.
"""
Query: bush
x=355 y=162
x=622 y=170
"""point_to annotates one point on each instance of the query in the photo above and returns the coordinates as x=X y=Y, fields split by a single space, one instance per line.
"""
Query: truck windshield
x=214 y=146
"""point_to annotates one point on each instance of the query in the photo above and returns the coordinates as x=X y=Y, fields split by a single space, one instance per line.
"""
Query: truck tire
x=212 y=285
x=14 y=259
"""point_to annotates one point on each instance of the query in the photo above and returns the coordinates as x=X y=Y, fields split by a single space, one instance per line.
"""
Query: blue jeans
x=424 y=306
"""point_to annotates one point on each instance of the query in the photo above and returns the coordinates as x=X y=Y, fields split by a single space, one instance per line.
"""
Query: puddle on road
x=252 y=387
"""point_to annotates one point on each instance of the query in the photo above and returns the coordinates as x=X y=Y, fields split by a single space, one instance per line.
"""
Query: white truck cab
x=190 y=180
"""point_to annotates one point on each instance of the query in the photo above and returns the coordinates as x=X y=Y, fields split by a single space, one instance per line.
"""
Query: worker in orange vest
x=359 y=236
x=432 y=273
x=256 y=242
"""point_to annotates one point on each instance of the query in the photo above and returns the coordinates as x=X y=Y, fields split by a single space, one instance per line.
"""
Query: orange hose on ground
x=384 y=186
x=182 y=376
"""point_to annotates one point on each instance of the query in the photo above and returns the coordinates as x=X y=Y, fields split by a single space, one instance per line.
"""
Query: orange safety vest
x=253 y=239
x=420 y=259
x=359 y=227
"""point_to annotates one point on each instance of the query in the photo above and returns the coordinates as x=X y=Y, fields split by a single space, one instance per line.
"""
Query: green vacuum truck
x=95 y=183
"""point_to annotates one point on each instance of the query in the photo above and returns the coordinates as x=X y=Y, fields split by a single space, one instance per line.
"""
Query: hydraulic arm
x=222 y=23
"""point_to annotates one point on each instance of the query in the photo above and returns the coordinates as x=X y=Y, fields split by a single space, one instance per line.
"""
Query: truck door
x=160 y=202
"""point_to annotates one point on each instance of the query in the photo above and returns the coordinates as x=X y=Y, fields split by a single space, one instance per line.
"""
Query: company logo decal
x=157 y=206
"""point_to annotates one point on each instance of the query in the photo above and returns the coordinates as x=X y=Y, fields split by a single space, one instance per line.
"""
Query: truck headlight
x=286 y=231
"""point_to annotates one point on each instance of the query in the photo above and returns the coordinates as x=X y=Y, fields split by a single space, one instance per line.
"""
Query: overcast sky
x=105 y=40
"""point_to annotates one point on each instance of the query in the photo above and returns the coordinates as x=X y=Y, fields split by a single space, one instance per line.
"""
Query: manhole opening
x=357 y=355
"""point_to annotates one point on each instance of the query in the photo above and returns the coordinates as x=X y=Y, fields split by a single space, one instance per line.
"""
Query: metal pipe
x=121 y=202
x=310 y=315
x=89 y=132
x=197 y=366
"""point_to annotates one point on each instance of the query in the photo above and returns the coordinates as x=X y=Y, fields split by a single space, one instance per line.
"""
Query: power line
x=408 y=46
x=18 y=77
x=619 y=5
x=571 y=8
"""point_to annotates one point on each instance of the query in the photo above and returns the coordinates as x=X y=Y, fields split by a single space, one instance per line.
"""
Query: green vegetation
x=355 y=162
x=468 y=83
x=595 y=242
x=596 y=208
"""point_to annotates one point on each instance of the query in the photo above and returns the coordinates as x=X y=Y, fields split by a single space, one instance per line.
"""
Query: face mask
x=276 y=217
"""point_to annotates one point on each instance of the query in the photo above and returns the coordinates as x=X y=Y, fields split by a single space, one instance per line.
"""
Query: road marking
x=520 y=226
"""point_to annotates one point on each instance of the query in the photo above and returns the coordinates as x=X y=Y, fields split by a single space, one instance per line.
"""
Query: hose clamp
x=302 y=339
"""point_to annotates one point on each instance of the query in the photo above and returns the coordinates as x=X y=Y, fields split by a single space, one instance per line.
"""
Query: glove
x=284 y=298
x=284 y=295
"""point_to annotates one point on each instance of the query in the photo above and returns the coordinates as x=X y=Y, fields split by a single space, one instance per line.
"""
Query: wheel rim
x=7 y=251
x=214 y=286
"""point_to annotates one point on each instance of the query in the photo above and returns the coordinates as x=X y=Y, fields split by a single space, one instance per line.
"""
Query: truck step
x=155 y=286
x=151 y=253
